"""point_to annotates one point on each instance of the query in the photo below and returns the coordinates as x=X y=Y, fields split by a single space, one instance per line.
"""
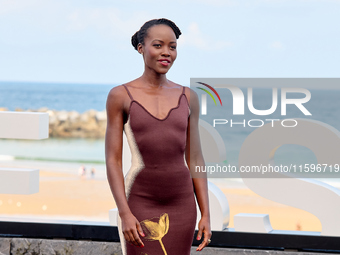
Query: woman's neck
x=154 y=79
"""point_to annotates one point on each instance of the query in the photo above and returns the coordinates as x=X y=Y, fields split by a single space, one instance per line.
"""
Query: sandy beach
x=243 y=200
x=66 y=195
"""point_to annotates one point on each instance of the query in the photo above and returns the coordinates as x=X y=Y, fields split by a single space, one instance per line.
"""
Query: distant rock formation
x=90 y=124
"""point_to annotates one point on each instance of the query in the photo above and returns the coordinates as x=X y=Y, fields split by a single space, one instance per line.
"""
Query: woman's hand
x=204 y=227
x=131 y=229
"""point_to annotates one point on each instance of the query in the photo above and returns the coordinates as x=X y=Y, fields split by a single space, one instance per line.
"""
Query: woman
x=156 y=204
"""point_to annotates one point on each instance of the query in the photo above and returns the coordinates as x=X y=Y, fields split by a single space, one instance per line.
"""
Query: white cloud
x=108 y=21
x=217 y=2
x=9 y=6
x=206 y=2
x=194 y=37
x=276 y=45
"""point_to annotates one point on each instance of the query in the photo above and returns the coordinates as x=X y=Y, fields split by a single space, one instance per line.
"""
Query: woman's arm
x=195 y=158
x=113 y=155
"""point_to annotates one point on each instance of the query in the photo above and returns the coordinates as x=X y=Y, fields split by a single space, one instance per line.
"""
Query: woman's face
x=159 y=49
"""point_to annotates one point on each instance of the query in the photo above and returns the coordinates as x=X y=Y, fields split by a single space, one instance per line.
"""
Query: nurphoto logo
x=238 y=107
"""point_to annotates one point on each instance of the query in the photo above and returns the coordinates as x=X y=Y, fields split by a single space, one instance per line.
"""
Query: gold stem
x=160 y=241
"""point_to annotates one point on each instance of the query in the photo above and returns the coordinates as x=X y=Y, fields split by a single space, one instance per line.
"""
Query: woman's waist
x=162 y=173
x=163 y=161
x=170 y=165
x=163 y=184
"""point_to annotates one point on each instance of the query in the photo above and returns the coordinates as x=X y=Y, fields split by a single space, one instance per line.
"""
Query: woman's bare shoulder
x=116 y=92
x=187 y=91
x=118 y=97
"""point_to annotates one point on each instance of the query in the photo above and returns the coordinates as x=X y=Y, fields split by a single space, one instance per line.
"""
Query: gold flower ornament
x=156 y=228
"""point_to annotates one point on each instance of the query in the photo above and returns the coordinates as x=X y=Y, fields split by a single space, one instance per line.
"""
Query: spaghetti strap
x=128 y=91
x=183 y=92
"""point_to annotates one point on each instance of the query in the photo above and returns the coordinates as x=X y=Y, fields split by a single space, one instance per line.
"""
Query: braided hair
x=139 y=36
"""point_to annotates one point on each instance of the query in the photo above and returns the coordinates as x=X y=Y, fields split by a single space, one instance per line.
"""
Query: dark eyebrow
x=162 y=41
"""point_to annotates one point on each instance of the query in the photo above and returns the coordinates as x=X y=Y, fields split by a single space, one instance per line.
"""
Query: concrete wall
x=22 y=246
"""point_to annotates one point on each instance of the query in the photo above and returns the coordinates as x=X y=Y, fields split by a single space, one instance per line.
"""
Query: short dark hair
x=139 y=36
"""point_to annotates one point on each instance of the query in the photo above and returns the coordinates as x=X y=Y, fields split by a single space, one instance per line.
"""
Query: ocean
x=68 y=97
x=324 y=106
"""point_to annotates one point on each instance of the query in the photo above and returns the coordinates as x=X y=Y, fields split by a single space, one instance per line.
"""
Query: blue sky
x=82 y=41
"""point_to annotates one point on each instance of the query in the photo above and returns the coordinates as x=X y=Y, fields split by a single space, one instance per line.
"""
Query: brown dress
x=158 y=186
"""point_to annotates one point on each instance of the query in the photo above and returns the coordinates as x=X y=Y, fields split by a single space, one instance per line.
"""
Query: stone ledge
x=23 y=246
x=72 y=124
